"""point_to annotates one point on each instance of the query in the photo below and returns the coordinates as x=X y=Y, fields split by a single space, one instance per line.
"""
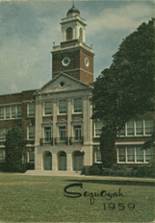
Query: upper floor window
x=47 y=134
x=78 y=105
x=69 y=33
x=137 y=128
x=47 y=108
x=30 y=132
x=62 y=106
x=97 y=128
x=62 y=133
x=2 y=113
x=30 y=109
x=10 y=112
x=77 y=132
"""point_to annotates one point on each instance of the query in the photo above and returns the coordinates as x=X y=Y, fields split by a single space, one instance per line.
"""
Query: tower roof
x=73 y=11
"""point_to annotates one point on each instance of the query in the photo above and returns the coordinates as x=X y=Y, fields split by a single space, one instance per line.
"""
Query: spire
x=73 y=11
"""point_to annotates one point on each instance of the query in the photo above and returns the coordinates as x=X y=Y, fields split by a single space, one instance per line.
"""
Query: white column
x=69 y=162
x=54 y=162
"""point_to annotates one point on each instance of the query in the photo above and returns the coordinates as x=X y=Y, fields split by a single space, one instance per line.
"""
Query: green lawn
x=41 y=199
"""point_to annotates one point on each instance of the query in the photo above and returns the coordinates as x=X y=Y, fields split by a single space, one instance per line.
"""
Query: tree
x=15 y=149
x=126 y=89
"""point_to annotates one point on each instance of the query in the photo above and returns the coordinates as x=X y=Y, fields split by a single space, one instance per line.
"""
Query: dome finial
x=73 y=11
x=73 y=4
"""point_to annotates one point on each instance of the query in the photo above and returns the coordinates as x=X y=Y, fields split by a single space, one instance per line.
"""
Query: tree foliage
x=15 y=149
x=127 y=88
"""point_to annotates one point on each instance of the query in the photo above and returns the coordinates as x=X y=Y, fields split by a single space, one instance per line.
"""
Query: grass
x=41 y=199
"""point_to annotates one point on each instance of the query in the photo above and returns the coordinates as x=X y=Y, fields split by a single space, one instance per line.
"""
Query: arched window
x=69 y=33
x=81 y=35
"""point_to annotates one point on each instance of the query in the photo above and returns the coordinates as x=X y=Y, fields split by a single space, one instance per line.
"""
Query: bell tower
x=73 y=56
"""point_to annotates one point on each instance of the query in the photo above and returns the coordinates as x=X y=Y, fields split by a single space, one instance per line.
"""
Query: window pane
x=148 y=127
x=131 y=154
x=148 y=154
x=130 y=128
x=97 y=128
x=1 y=112
x=139 y=154
x=31 y=133
x=2 y=134
x=121 y=154
x=98 y=155
x=13 y=111
x=77 y=132
x=47 y=134
x=77 y=105
x=62 y=132
x=47 y=108
x=62 y=107
x=31 y=109
x=19 y=112
x=139 y=127
x=2 y=155
x=8 y=112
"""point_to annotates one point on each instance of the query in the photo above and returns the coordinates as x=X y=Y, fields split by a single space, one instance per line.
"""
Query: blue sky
x=28 y=29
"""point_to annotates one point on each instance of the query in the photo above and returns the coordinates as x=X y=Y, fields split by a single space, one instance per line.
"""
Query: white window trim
x=28 y=138
x=47 y=115
x=28 y=114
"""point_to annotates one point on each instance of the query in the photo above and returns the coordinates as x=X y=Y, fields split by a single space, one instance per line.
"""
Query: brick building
x=56 y=119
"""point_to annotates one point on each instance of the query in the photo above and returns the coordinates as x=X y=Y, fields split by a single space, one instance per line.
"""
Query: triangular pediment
x=63 y=82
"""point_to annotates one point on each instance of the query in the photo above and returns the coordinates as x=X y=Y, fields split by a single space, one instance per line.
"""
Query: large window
x=133 y=154
x=30 y=132
x=10 y=112
x=62 y=106
x=30 y=109
x=97 y=154
x=47 y=134
x=77 y=132
x=78 y=105
x=62 y=133
x=137 y=128
x=47 y=108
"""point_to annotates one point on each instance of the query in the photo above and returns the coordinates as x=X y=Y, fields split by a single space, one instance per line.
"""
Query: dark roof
x=73 y=10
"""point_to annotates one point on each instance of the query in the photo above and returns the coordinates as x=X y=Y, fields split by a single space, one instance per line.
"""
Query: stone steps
x=52 y=173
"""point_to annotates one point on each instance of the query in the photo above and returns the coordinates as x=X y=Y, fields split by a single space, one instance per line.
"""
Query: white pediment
x=61 y=83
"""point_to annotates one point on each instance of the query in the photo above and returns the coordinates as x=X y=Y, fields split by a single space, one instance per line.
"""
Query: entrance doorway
x=62 y=161
x=47 y=158
x=77 y=161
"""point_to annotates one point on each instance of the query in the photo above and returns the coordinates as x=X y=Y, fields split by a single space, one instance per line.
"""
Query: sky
x=29 y=28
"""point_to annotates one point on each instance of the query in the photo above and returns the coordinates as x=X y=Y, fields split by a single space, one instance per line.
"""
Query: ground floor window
x=97 y=154
x=133 y=154
x=2 y=155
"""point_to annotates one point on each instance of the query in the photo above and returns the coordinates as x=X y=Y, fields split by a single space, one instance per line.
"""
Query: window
x=130 y=154
x=133 y=154
x=81 y=35
x=98 y=155
x=2 y=113
x=19 y=112
x=47 y=134
x=8 y=112
x=30 y=110
x=62 y=106
x=130 y=128
x=148 y=154
x=139 y=154
x=31 y=133
x=139 y=127
x=2 y=155
x=69 y=33
x=148 y=127
x=2 y=134
x=13 y=111
x=77 y=132
x=97 y=128
x=62 y=133
x=122 y=156
x=31 y=156
x=47 y=108
x=78 y=105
